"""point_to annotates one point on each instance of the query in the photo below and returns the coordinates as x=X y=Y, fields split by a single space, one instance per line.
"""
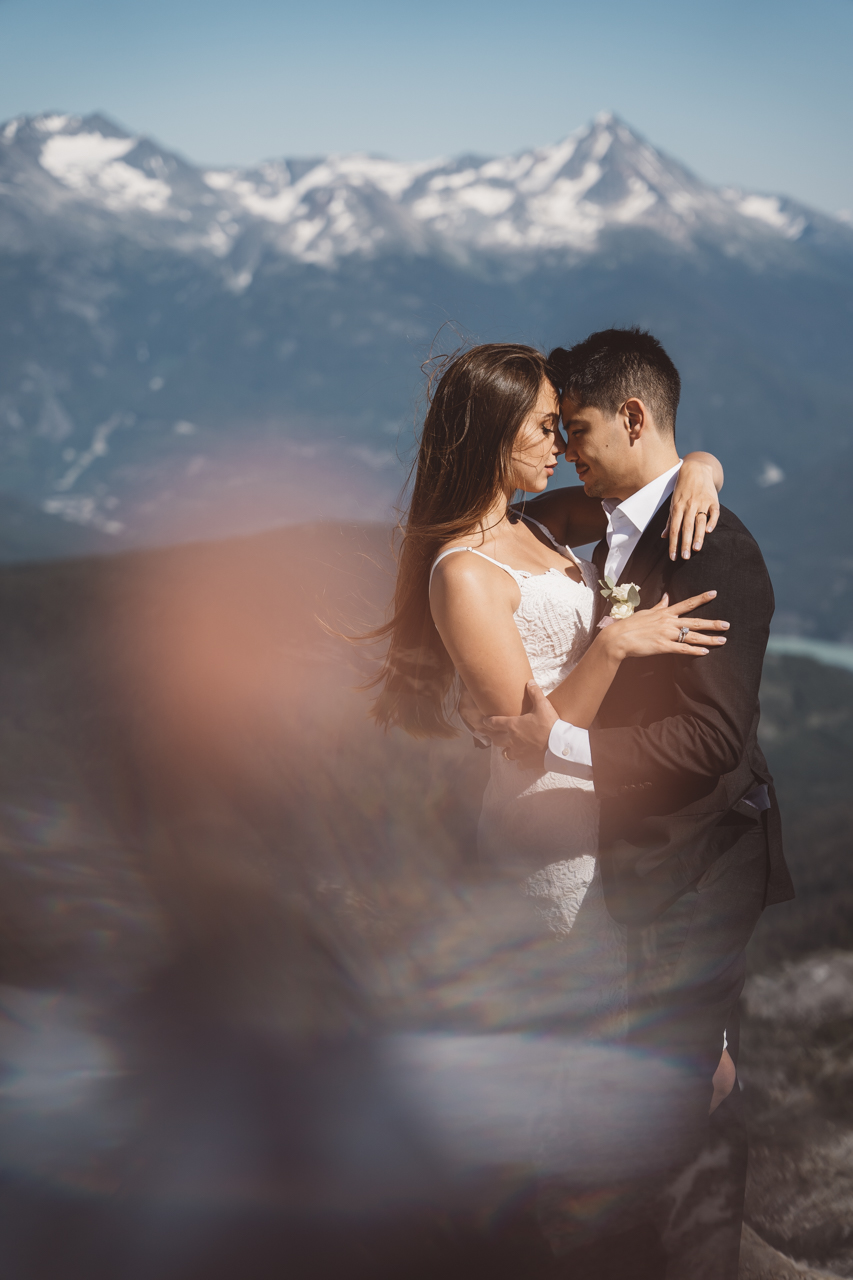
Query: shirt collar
x=641 y=506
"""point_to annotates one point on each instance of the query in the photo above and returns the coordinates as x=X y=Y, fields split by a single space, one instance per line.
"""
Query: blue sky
x=751 y=92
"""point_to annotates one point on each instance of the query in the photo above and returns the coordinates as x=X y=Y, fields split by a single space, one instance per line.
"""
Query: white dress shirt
x=568 y=747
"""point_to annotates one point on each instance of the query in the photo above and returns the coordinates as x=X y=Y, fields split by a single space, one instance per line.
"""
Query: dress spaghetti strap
x=450 y=550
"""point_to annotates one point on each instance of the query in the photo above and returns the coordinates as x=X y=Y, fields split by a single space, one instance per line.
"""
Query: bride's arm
x=575 y=702
x=474 y=619
x=577 y=699
x=574 y=519
x=651 y=631
x=472 y=604
x=695 y=507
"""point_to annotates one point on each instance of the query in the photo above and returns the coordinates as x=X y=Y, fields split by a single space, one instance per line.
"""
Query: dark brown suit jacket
x=674 y=746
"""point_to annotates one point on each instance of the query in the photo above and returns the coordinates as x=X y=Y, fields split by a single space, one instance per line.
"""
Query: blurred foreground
x=257 y=1013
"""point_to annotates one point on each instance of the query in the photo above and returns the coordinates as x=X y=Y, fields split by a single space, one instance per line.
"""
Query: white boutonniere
x=623 y=599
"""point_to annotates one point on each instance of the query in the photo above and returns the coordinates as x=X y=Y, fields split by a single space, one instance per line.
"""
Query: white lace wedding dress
x=529 y=948
x=541 y=829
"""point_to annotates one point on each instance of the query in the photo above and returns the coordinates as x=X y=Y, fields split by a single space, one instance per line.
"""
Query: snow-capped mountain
x=187 y=351
x=563 y=199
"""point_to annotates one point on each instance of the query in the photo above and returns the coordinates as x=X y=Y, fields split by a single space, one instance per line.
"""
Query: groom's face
x=599 y=448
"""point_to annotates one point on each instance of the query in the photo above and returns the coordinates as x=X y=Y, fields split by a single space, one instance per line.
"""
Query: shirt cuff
x=569 y=751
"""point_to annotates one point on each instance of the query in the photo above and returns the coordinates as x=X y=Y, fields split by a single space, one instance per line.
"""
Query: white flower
x=621 y=610
x=623 y=600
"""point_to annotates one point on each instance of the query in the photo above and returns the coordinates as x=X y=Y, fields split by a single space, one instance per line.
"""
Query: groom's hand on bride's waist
x=524 y=738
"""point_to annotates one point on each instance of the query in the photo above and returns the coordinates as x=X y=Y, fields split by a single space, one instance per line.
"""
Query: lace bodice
x=555 y=621
x=555 y=614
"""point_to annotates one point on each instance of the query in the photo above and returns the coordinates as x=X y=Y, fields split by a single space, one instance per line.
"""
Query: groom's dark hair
x=610 y=367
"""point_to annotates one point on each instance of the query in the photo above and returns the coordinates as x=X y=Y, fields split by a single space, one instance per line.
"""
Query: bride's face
x=539 y=443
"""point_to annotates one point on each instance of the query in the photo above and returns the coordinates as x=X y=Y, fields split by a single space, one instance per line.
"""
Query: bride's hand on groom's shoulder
x=524 y=738
x=665 y=628
x=695 y=507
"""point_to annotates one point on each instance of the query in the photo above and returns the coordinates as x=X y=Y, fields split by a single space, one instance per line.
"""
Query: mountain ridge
x=560 y=198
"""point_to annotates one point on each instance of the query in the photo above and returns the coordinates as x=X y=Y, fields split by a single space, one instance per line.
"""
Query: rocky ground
x=798 y=1079
x=759 y=1261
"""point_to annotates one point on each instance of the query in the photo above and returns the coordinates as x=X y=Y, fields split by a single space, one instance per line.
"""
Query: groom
x=690 y=840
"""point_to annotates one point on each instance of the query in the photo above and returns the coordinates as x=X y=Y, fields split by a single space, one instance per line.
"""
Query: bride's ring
x=683 y=634
x=505 y=756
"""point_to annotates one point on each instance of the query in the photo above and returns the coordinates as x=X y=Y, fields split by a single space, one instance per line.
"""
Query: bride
x=489 y=598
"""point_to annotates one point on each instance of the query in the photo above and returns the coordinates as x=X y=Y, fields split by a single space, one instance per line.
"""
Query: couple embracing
x=628 y=800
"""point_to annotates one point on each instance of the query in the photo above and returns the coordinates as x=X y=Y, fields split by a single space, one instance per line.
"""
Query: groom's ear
x=636 y=418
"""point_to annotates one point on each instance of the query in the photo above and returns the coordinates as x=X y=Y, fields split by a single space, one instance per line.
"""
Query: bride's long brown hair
x=464 y=463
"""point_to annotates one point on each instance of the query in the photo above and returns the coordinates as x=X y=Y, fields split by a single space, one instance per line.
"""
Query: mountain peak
x=601 y=181
x=49 y=123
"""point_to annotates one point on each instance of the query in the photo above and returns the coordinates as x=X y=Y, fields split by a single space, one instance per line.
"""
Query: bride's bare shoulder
x=467 y=570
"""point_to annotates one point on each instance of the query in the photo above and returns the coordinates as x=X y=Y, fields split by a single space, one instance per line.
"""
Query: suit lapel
x=599 y=556
x=646 y=568
x=647 y=555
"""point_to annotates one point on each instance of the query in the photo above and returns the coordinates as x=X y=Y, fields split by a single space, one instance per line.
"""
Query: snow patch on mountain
x=52 y=124
x=85 y=511
x=391 y=177
x=769 y=209
x=92 y=164
x=98 y=448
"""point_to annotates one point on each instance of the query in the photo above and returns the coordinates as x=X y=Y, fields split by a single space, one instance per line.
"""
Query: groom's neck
x=647 y=470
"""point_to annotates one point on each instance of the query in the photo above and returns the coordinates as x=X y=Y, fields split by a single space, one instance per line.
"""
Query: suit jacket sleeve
x=708 y=704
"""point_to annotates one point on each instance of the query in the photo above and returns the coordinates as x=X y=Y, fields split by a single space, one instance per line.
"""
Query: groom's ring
x=683 y=633
x=505 y=755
